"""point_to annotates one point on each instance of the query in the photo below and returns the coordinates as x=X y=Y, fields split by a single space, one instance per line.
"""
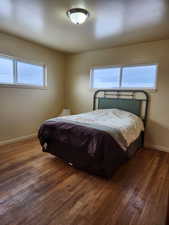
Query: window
x=30 y=74
x=106 y=78
x=127 y=77
x=6 y=71
x=14 y=72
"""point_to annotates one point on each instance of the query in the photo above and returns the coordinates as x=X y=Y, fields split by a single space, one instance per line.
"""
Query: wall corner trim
x=13 y=140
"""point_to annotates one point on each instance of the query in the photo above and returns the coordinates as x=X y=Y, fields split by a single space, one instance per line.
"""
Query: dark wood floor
x=39 y=189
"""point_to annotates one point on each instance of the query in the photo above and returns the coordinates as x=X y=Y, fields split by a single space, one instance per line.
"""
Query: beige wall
x=79 y=96
x=22 y=110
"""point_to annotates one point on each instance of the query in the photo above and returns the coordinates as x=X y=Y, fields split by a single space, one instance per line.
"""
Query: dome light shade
x=77 y=15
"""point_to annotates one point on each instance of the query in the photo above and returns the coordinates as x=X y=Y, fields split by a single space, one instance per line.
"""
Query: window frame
x=15 y=84
x=121 y=66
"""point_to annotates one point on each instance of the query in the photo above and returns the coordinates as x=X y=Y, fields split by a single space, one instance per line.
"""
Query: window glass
x=30 y=74
x=6 y=70
x=106 y=78
x=139 y=77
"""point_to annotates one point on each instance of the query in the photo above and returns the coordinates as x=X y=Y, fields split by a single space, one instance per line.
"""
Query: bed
x=99 y=141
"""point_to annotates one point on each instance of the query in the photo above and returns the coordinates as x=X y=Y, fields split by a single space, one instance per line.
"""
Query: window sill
x=22 y=86
x=126 y=89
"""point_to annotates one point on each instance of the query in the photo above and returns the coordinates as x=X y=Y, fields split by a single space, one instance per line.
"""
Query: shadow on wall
x=156 y=134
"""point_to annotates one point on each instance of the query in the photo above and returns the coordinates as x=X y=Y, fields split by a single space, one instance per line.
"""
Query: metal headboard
x=135 y=101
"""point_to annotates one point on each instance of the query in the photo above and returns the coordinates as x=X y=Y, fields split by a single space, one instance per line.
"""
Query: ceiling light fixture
x=77 y=15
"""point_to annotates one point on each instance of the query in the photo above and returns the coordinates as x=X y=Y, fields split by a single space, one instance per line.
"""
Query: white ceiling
x=111 y=22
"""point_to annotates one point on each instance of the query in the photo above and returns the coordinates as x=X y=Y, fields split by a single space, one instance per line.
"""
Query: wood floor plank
x=37 y=188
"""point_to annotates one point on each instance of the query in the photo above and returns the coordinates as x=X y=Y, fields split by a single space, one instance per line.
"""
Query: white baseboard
x=13 y=140
x=9 y=141
x=158 y=147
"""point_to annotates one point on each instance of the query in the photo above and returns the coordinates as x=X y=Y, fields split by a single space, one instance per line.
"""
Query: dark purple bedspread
x=87 y=148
